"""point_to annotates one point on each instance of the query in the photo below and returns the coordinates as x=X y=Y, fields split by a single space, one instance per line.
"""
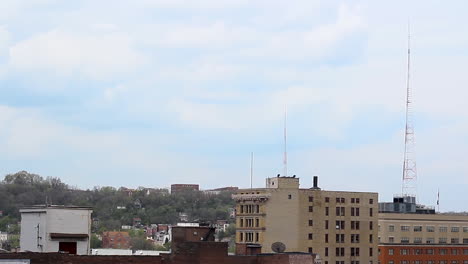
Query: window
x=430 y=251
x=371 y=225
x=289 y=196
x=390 y=252
x=371 y=239
x=327 y=211
x=340 y=238
x=326 y=224
x=357 y=200
x=242 y=222
x=371 y=252
x=354 y=211
x=371 y=201
x=257 y=236
x=327 y=199
x=455 y=229
x=310 y=236
x=465 y=229
x=391 y=228
x=404 y=240
x=418 y=251
x=391 y=262
x=354 y=238
x=311 y=222
x=340 y=211
x=326 y=252
x=340 y=224
x=430 y=240
x=370 y=212
x=442 y=251
x=454 y=241
x=417 y=240
x=404 y=251
x=465 y=241
x=443 y=229
x=354 y=225
x=454 y=251
x=241 y=237
x=430 y=262
x=311 y=198
x=311 y=209
x=430 y=228
x=354 y=251
x=417 y=228
x=442 y=240
x=340 y=252
x=257 y=222
x=326 y=238
x=310 y=250
x=352 y=200
x=391 y=240
x=465 y=251
x=338 y=200
x=405 y=228
x=454 y=262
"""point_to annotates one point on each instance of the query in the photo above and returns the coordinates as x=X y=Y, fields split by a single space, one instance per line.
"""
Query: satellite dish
x=278 y=247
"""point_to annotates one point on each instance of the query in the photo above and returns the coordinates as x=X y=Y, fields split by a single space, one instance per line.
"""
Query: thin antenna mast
x=251 y=168
x=409 y=161
x=285 y=158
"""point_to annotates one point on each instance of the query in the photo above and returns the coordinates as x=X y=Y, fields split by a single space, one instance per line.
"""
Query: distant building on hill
x=220 y=190
x=117 y=240
x=52 y=228
x=178 y=188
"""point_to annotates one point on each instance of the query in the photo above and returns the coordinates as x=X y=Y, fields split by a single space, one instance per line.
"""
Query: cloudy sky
x=155 y=92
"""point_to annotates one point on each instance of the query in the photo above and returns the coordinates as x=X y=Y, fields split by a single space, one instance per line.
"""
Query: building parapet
x=251 y=197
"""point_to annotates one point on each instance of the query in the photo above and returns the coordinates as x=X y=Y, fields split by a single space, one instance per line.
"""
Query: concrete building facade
x=178 y=188
x=56 y=229
x=341 y=227
x=414 y=238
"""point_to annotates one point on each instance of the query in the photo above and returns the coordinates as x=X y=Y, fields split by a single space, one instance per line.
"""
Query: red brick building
x=423 y=254
x=178 y=188
x=119 y=240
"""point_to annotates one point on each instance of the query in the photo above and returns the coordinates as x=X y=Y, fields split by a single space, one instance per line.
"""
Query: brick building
x=178 y=188
x=191 y=245
x=118 y=240
x=414 y=234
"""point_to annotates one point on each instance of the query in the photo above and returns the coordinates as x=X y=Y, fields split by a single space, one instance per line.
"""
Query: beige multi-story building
x=339 y=226
x=416 y=234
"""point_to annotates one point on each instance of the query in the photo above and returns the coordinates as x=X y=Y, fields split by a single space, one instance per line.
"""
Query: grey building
x=54 y=228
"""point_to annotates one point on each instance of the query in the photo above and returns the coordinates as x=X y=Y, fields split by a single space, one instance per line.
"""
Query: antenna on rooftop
x=251 y=168
x=285 y=158
x=409 y=161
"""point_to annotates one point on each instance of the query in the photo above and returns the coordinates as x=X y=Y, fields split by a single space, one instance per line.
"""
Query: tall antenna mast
x=285 y=158
x=409 y=161
x=251 y=169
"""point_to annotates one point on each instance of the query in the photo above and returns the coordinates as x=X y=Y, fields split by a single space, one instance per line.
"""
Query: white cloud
x=95 y=56
x=4 y=41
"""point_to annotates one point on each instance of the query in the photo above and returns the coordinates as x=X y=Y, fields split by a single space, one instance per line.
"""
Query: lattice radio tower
x=409 y=163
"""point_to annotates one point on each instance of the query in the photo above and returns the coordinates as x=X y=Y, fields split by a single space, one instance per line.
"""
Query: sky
x=155 y=92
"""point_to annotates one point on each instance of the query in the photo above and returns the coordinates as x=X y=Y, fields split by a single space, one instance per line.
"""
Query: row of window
x=343 y=200
x=340 y=211
x=249 y=222
x=429 y=240
x=428 y=262
x=341 y=238
x=355 y=225
x=418 y=228
x=250 y=209
x=249 y=237
x=429 y=251
x=340 y=252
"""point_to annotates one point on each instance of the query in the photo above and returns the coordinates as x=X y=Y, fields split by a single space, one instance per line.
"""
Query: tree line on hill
x=112 y=207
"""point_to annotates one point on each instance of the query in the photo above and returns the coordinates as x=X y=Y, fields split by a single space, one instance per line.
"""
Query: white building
x=56 y=229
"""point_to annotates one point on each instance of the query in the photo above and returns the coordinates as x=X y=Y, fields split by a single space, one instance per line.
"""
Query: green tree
x=95 y=241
